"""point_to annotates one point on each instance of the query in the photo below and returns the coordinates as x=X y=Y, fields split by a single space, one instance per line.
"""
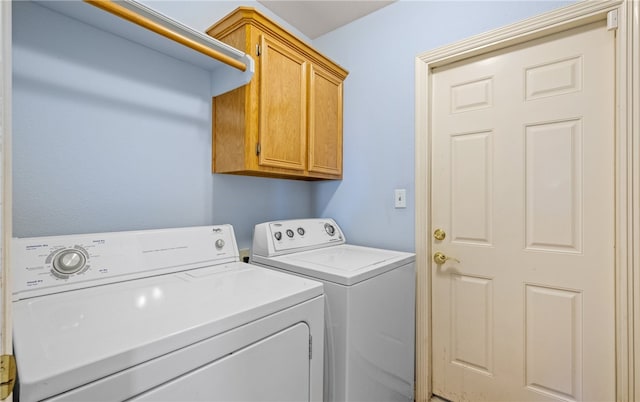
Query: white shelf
x=225 y=77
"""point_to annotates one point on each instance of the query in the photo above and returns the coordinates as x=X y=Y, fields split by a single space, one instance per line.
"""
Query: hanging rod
x=122 y=12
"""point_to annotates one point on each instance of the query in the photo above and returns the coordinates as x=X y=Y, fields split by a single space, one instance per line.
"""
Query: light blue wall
x=110 y=136
x=379 y=51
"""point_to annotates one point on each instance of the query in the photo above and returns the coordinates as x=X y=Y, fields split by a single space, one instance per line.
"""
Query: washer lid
x=344 y=264
x=68 y=339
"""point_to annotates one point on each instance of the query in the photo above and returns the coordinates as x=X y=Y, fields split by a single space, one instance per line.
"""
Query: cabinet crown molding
x=250 y=16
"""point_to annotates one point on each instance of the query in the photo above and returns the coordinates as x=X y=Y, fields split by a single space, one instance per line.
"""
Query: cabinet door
x=283 y=114
x=325 y=122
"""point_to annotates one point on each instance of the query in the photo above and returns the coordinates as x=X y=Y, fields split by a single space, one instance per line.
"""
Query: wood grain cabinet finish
x=287 y=122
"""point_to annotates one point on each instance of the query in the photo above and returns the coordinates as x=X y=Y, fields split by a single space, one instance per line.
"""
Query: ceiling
x=315 y=18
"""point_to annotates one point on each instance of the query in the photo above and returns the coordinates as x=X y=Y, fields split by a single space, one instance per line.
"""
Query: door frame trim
x=627 y=173
x=6 y=194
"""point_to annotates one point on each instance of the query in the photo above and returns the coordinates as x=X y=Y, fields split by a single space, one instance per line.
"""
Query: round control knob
x=278 y=235
x=219 y=244
x=69 y=262
x=290 y=233
x=331 y=230
x=301 y=231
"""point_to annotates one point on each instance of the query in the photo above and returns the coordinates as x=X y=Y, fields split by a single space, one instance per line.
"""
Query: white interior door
x=523 y=187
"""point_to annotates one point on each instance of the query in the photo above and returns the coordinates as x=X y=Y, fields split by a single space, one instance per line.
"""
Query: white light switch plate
x=400 y=196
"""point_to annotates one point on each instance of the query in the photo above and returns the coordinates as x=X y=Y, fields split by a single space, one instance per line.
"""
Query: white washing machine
x=166 y=315
x=370 y=306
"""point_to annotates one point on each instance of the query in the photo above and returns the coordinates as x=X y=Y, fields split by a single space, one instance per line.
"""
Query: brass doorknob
x=439 y=258
x=439 y=234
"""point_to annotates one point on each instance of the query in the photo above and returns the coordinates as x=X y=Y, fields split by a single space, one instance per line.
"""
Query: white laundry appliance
x=166 y=315
x=370 y=305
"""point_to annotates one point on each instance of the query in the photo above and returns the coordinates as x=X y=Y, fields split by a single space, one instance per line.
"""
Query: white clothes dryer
x=370 y=306
x=166 y=315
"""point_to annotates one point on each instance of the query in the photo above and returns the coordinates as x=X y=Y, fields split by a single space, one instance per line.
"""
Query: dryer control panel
x=284 y=237
x=45 y=265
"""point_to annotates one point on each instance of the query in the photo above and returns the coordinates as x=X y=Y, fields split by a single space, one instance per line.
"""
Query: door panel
x=472 y=322
x=283 y=113
x=553 y=177
x=523 y=185
x=325 y=122
x=471 y=196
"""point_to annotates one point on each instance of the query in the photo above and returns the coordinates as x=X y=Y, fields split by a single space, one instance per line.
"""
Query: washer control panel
x=281 y=237
x=44 y=265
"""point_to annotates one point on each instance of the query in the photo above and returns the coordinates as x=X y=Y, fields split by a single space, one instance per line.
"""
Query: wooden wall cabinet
x=287 y=122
